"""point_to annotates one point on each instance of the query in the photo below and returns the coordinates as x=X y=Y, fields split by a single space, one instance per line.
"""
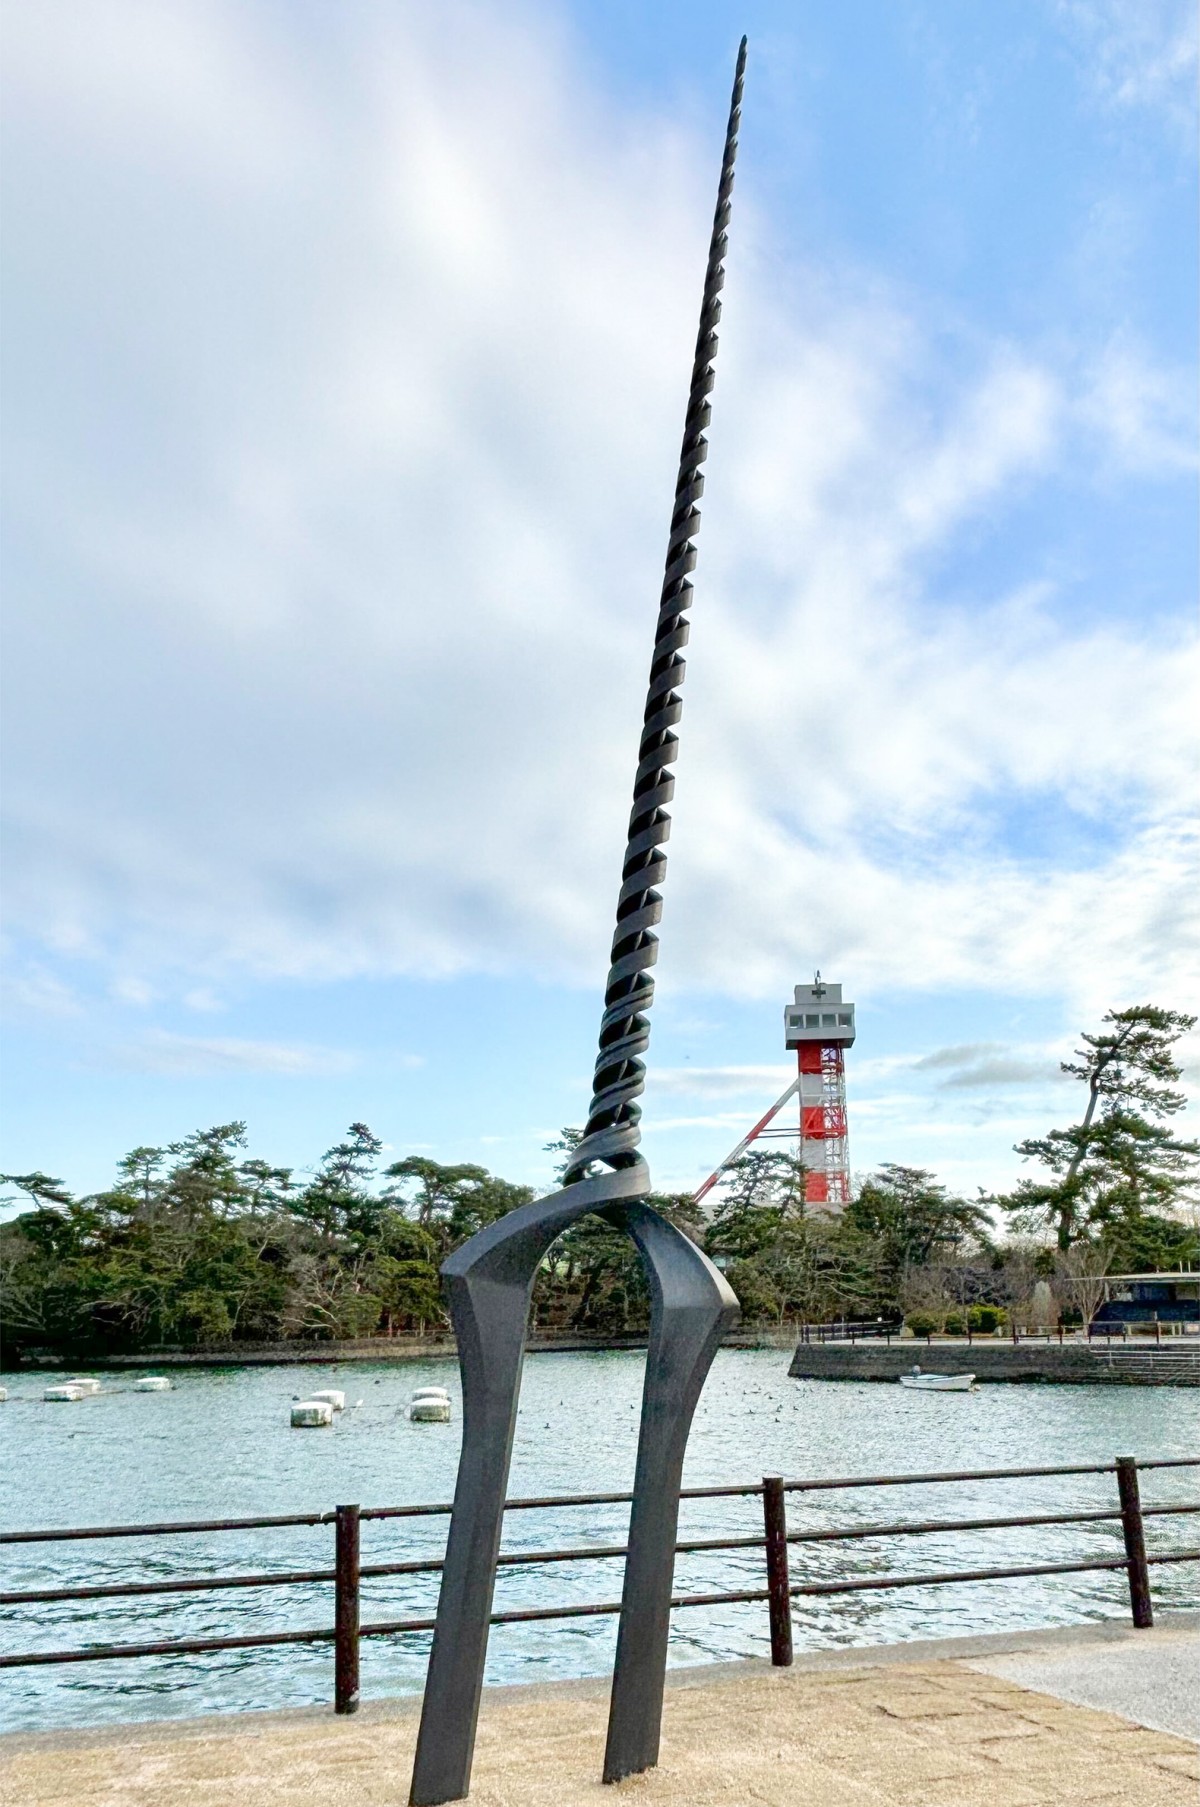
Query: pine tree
x=1120 y=1172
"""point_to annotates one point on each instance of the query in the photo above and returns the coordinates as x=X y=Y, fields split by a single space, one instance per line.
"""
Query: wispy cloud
x=999 y=1071
x=983 y=1065
x=721 y=1082
x=36 y=992
x=1143 y=53
x=189 y=1056
x=1144 y=414
x=958 y=1056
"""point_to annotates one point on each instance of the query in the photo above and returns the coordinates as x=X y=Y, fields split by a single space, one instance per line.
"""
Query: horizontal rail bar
x=194 y=1646
x=103 y=1653
x=137 y=1589
x=931 y=1526
x=550 y=1501
x=591 y=1610
x=1040 y=1568
x=585 y=1553
x=169 y=1527
x=965 y=1474
x=708 y=1545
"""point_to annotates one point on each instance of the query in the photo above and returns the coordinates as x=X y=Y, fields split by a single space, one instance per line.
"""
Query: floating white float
x=3 y=1394
x=87 y=1383
x=310 y=1414
x=152 y=1383
x=430 y=1405
x=332 y=1396
x=65 y=1390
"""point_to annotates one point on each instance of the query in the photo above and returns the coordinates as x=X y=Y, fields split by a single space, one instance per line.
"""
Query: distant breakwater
x=1072 y=1364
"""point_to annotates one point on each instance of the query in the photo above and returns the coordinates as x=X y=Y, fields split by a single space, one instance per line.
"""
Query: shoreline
x=381 y=1349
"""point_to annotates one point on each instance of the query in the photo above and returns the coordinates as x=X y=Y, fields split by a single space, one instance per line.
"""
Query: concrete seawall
x=1071 y=1363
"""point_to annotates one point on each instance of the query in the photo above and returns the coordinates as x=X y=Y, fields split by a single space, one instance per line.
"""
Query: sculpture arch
x=489 y=1281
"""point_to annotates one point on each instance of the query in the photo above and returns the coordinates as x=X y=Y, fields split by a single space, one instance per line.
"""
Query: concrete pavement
x=893 y=1727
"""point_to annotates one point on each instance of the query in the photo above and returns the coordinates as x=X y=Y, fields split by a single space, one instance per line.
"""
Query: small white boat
x=938 y=1383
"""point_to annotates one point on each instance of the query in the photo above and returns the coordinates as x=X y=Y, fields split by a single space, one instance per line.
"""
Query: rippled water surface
x=219 y=1446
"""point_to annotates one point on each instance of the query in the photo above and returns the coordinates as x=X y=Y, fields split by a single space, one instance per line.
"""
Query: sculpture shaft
x=612 y=1134
x=489 y=1279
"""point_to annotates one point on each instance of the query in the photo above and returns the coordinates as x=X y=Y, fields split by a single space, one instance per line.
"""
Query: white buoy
x=310 y=1414
x=3 y=1394
x=152 y=1383
x=430 y=1406
x=87 y=1383
x=65 y=1390
x=332 y=1396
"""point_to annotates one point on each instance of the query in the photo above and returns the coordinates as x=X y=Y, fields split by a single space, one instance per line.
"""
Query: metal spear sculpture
x=490 y=1278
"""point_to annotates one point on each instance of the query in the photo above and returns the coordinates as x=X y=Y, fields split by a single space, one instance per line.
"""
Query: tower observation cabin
x=819 y=1026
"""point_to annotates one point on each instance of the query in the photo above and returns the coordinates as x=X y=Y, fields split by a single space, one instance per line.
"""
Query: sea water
x=219 y=1445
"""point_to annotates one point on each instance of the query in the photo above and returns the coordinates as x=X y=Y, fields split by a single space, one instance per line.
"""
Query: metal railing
x=348 y=1571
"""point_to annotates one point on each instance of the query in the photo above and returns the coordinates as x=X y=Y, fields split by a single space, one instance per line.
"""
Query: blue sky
x=346 y=356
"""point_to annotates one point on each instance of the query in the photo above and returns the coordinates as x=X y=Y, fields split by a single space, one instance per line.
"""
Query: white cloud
x=1143 y=53
x=36 y=992
x=190 y=1055
x=203 y=1000
x=351 y=480
x=126 y=989
x=1145 y=414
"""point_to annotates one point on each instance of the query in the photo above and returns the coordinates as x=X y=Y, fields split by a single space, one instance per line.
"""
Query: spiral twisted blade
x=612 y=1134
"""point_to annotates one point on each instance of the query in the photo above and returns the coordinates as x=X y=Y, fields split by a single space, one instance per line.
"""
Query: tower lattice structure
x=818 y=1026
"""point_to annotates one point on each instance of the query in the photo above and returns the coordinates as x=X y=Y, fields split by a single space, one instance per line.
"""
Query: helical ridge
x=612 y=1134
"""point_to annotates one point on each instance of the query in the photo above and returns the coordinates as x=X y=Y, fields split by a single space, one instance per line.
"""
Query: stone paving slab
x=940 y=1733
x=1155 y=1680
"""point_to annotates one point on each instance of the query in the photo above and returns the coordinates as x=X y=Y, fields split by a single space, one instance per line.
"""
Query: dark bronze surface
x=490 y=1278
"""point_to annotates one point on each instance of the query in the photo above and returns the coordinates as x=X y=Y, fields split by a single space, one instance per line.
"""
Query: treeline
x=197 y=1244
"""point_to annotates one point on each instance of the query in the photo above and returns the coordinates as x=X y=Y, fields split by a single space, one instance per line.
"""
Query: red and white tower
x=819 y=1025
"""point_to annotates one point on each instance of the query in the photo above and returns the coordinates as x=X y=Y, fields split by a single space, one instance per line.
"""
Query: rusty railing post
x=345 y=1615
x=779 y=1600
x=1135 y=1543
